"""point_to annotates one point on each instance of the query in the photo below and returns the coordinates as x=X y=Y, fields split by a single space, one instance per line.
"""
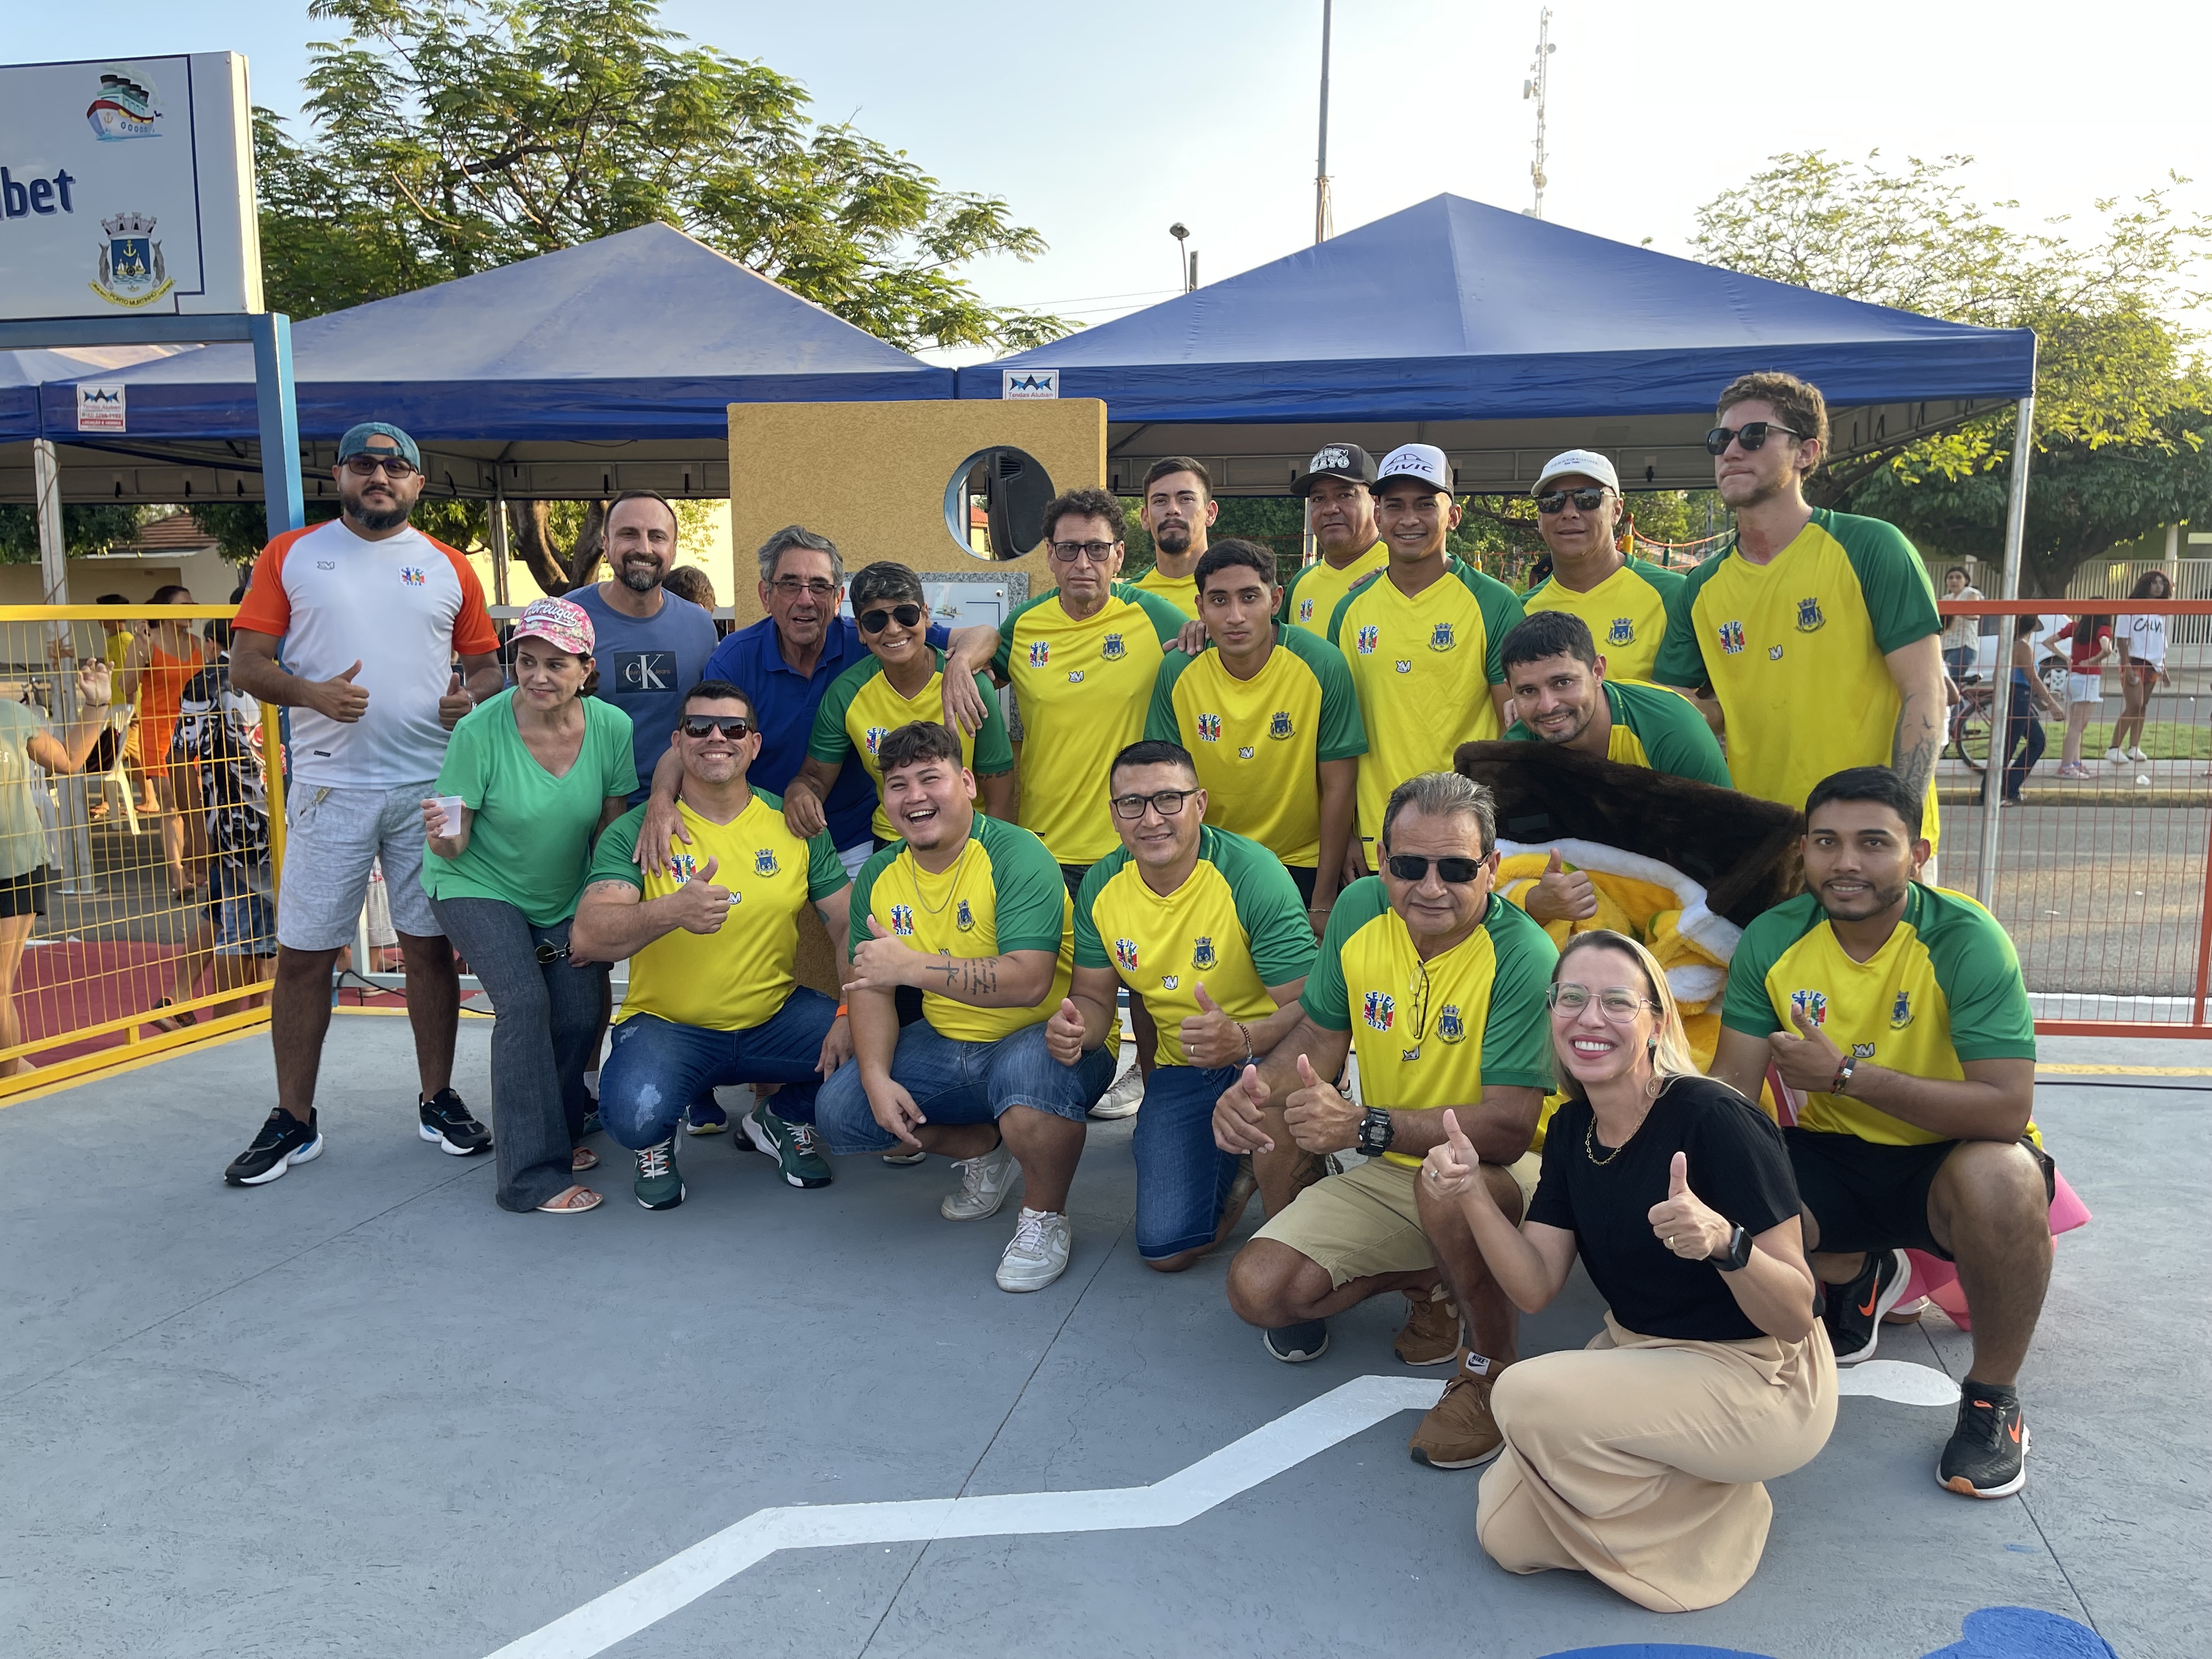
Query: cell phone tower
x=1536 y=86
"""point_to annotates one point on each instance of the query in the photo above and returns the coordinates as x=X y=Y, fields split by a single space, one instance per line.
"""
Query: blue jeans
x=656 y=1067
x=1182 y=1177
x=954 y=1082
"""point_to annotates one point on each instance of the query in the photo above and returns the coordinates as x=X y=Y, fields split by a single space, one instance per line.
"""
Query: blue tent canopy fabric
x=1452 y=310
x=645 y=335
x=21 y=374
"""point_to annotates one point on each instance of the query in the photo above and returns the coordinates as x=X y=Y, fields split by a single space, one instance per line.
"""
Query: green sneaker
x=659 y=1184
x=791 y=1145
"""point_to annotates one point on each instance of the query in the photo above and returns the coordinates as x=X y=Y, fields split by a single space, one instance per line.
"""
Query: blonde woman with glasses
x=1638 y=1459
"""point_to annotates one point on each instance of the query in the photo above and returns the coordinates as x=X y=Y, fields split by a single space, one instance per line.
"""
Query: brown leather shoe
x=1431 y=1336
x=1459 y=1431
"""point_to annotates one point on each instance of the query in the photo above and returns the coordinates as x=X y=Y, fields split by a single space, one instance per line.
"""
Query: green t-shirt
x=22 y=837
x=531 y=842
x=1657 y=728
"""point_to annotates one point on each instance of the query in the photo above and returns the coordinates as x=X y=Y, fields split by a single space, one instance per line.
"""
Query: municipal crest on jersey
x=1125 y=955
x=1201 y=953
x=1442 y=638
x=764 y=862
x=683 y=864
x=1040 y=653
x=1813 y=1005
x=1809 y=619
x=1305 y=611
x=1112 y=650
x=875 y=736
x=963 y=917
x=1732 y=637
x=1209 y=728
x=903 y=920
x=1900 y=1011
x=1623 y=631
x=1379 y=1009
x=1450 y=1025
x=1278 y=725
x=1367 y=638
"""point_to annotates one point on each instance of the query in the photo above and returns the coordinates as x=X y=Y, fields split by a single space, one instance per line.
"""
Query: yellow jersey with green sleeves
x=1085 y=688
x=1655 y=728
x=1236 y=925
x=1794 y=649
x=1181 y=592
x=1433 y=1033
x=1423 y=668
x=862 y=708
x=1625 y=613
x=1004 y=892
x=1944 y=989
x=738 y=976
x=1259 y=742
x=1316 y=591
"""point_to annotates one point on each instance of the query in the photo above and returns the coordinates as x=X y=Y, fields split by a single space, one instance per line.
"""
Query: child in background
x=2091 y=645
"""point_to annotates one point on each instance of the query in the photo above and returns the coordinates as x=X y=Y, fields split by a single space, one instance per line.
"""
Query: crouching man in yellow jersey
x=1207 y=927
x=1444 y=983
x=1900 y=1010
x=973 y=913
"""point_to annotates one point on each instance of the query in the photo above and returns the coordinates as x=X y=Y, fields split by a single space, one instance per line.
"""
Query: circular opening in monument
x=994 y=504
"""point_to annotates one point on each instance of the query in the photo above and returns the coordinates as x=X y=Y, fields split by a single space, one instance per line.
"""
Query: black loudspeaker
x=1017 y=491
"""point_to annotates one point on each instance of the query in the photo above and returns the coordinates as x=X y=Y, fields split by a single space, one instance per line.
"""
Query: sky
x=1101 y=125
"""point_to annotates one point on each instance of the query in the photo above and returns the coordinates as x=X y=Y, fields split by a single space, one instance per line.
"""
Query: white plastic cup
x=450 y=806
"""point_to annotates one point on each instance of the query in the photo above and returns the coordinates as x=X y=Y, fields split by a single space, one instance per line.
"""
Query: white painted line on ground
x=1348 y=1409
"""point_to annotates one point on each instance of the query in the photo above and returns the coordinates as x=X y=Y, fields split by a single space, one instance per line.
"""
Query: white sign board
x=100 y=406
x=1023 y=385
x=126 y=189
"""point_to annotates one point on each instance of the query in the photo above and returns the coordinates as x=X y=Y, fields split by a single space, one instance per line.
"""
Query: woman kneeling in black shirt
x=1638 y=1459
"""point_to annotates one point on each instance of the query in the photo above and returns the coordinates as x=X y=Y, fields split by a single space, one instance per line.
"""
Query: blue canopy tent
x=1503 y=339
x=575 y=373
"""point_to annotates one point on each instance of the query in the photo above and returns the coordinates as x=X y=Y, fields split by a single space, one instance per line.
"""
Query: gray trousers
x=546 y=1024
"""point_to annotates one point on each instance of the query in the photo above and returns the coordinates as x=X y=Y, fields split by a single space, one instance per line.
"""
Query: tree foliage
x=99 y=528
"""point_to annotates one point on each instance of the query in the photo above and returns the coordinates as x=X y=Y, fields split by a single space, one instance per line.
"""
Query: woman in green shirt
x=538 y=770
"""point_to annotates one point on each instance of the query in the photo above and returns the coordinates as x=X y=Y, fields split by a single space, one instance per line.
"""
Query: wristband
x=840 y=1014
x=1247 y=1036
x=1843 y=1074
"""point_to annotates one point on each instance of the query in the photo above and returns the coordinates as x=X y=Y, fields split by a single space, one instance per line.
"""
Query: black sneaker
x=446 y=1124
x=283 y=1142
x=1987 y=1456
x=1296 y=1344
x=1855 y=1310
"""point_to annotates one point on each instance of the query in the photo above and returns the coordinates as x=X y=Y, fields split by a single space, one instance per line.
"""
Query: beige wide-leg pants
x=1638 y=1459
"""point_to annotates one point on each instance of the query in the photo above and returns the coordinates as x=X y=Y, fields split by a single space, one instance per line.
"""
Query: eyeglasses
x=1617 y=1003
x=1167 y=803
x=1753 y=435
x=736 y=728
x=397 y=468
x=549 y=954
x=1455 y=872
x=1076 y=552
x=1585 y=501
x=874 y=622
x=791 y=586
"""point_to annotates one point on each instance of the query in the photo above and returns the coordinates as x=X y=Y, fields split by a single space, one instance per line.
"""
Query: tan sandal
x=575 y=1201
x=582 y=1158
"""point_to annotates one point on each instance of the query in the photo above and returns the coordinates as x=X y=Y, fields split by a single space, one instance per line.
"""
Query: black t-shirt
x=1738 y=1165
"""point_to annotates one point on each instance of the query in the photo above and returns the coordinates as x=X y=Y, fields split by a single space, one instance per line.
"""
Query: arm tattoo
x=967 y=976
x=1916 y=764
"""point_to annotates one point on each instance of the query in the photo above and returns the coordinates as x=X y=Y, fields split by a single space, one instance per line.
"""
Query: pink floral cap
x=558 y=623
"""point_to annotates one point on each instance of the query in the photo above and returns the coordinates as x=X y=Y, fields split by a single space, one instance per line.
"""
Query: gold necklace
x=959 y=873
x=1589 y=1138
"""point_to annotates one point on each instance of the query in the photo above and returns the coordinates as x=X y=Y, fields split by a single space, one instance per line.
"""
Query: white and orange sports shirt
x=402 y=608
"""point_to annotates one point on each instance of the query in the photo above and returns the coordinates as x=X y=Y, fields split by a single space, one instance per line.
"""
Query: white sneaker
x=984 y=1183
x=1037 y=1254
x=2117 y=756
x=1123 y=1098
x=2135 y=753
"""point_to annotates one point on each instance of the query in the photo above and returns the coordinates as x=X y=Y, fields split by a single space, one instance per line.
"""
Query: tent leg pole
x=1985 y=878
x=73 y=833
x=279 y=413
x=499 y=544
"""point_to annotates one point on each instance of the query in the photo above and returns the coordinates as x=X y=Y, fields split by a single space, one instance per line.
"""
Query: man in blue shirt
x=652 y=646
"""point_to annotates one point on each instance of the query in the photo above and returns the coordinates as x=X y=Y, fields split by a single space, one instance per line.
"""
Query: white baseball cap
x=1423 y=461
x=1588 y=462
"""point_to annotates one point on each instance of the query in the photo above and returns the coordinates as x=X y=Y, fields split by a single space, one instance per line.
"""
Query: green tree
x=97 y=528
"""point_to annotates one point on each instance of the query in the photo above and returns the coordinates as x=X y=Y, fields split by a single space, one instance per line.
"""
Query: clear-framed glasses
x=1617 y=1003
x=1167 y=803
x=1079 y=552
x=816 y=588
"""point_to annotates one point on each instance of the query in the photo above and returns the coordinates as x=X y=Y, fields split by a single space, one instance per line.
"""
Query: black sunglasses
x=367 y=463
x=1455 y=872
x=1555 y=501
x=549 y=954
x=874 y=622
x=735 y=728
x=1751 y=435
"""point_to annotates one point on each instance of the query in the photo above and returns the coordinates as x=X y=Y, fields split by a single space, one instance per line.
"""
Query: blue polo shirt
x=784 y=702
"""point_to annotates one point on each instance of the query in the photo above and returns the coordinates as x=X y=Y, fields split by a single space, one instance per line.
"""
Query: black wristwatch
x=1738 y=1252
x=1376 y=1133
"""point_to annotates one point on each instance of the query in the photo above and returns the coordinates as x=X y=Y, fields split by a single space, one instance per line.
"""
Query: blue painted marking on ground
x=1992 y=1633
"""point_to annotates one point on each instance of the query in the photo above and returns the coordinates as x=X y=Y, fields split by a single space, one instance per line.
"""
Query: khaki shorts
x=1363 y=1222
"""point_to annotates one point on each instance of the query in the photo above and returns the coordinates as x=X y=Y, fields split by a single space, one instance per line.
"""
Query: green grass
x=2161 y=739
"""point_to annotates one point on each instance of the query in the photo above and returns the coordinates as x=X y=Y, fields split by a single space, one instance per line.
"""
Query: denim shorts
x=245 y=920
x=1182 y=1177
x=954 y=1082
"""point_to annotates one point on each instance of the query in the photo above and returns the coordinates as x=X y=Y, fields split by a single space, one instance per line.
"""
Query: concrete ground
x=362 y=1412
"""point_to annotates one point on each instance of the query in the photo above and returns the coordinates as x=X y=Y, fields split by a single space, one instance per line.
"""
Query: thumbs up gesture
x=1210 y=1038
x=455 y=703
x=699 y=906
x=1561 y=894
x=1449 y=1167
x=339 y=698
x=1320 y=1119
x=882 y=961
x=1064 y=1033
x=1689 y=1228
x=1240 y=1124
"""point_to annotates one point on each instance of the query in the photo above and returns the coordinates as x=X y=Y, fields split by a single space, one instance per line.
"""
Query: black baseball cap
x=1347 y=461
